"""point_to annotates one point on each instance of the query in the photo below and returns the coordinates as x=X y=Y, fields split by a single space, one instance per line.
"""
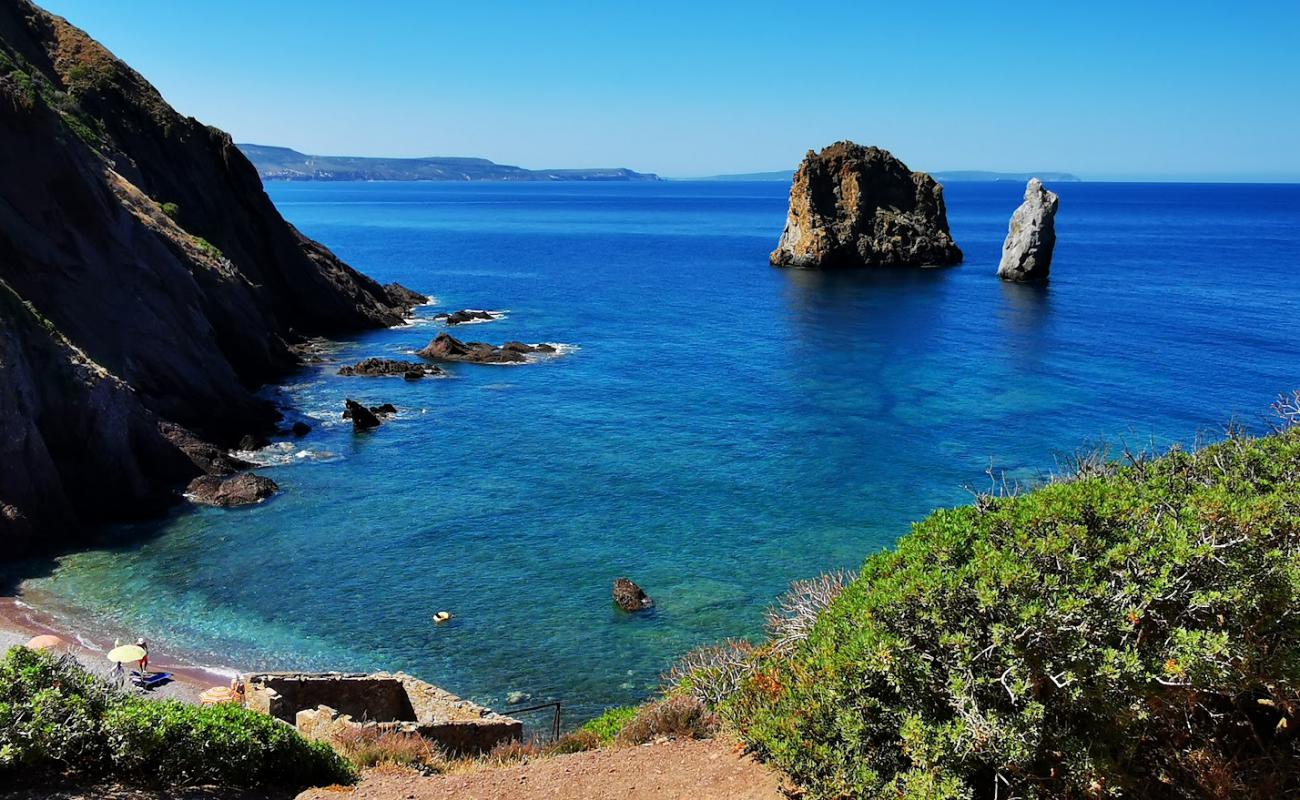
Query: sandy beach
x=19 y=622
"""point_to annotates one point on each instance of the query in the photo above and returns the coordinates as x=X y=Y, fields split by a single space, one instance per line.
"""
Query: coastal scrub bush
x=57 y=717
x=791 y=619
x=370 y=747
x=712 y=672
x=608 y=724
x=1127 y=633
x=50 y=712
x=674 y=717
x=171 y=209
x=175 y=743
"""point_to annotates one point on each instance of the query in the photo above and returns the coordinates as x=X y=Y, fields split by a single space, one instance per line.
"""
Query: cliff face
x=855 y=206
x=152 y=272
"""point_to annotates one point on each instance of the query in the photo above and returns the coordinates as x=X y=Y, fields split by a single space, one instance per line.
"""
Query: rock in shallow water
x=446 y=347
x=630 y=597
x=1031 y=236
x=855 y=206
x=465 y=315
x=372 y=367
x=238 y=490
x=363 y=419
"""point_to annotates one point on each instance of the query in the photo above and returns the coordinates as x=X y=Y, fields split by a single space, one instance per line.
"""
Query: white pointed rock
x=1027 y=252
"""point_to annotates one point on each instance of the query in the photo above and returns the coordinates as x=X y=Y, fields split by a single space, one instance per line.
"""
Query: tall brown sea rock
x=855 y=206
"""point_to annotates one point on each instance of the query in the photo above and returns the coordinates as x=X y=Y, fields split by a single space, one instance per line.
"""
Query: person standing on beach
x=144 y=660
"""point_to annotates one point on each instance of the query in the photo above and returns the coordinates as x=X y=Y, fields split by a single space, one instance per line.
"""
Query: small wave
x=283 y=453
x=561 y=349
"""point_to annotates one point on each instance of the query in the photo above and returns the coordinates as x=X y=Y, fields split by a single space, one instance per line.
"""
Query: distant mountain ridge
x=286 y=164
x=951 y=176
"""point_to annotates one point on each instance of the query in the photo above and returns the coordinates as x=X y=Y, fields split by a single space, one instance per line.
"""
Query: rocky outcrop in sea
x=237 y=490
x=378 y=367
x=630 y=597
x=148 y=287
x=446 y=347
x=855 y=206
x=1031 y=236
x=466 y=315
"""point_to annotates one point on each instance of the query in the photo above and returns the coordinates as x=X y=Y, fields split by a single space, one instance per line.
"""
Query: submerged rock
x=206 y=456
x=1031 y=236
x=446 y=347
x=855 y=206
x=300 y=429
x=363 y=419
x=253 y=441
x=371 y=367
x=630 y=597
x=465 y=315
x=237 y=490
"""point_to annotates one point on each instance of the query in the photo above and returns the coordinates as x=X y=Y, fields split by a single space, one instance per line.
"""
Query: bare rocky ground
x=712 y=769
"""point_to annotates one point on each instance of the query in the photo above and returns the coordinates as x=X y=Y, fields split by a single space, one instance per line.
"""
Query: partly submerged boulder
x=446 y=347
x=371 y=367
x=855 y=206
x=253 y=441
x=236 y=490
x=1031 y=236
x=363 y=419
x=630 y=597
x=466 y=315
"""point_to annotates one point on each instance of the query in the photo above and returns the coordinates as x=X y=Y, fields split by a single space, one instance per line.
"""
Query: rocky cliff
x=1031 y=236
x=145 y=277
x=855 y=206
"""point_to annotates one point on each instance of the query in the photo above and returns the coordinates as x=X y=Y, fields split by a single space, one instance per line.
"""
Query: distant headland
x=952 y=176
x=285 y=164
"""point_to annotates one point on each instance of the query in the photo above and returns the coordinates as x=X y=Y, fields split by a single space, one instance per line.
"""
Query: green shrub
x=1131 y=634
x=208 y=247
x=55 y=716
x=608 y=724
x=50 y=713
x=177 y=743
x=171 y=209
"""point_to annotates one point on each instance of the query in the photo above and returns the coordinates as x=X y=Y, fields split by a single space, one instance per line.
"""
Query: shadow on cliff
x=120 y=537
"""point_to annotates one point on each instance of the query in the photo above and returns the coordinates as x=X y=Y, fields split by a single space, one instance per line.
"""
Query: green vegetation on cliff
x=56 y=717
x=1131 y=631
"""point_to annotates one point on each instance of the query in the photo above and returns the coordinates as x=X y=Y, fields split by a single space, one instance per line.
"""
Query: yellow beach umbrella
x=126 y=653
x=47 y=641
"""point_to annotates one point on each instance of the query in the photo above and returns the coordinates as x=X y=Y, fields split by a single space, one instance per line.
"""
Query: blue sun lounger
x=151 y=681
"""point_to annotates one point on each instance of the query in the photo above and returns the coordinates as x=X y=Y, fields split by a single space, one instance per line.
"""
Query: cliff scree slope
x=145 y=278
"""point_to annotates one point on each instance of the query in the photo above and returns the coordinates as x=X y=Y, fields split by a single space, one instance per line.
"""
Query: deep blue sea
x=717 y=429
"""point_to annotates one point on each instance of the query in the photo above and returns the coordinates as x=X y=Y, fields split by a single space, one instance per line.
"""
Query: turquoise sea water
x=718 y=429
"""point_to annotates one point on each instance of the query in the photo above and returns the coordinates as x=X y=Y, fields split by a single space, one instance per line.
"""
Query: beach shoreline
x=20 y=621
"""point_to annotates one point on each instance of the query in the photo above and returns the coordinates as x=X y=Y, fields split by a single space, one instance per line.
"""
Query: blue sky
x=1184 y=90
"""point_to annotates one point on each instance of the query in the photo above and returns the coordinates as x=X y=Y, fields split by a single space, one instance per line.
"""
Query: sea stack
x=855 y=206
x=1027 y=252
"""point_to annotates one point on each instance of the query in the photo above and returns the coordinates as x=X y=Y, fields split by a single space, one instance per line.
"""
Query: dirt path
x=680 y=770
